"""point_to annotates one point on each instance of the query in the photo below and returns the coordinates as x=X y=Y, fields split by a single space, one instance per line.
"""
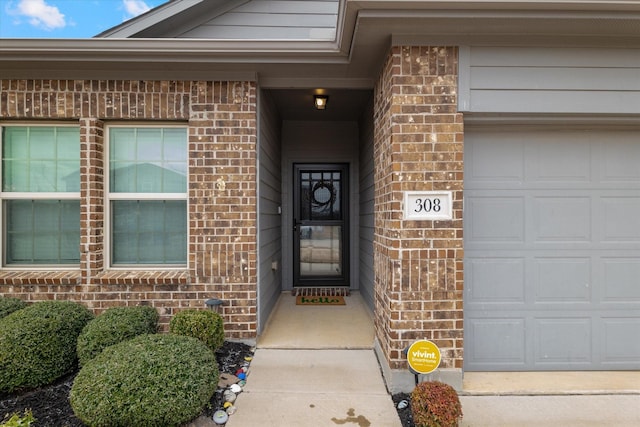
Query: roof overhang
x=366 y=29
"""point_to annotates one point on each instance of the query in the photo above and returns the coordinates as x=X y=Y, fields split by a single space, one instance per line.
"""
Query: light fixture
x=214 y=304
x=320 y=101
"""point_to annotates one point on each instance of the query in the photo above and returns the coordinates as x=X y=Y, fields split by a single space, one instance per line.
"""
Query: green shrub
x=149 y=380
x=18 y=421
x=205 y=325
x=435 y=404
x=115 y=325
x=9 y=305
x=38 y=343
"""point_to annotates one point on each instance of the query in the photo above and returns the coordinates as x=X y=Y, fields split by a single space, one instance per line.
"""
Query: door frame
x=320 y=280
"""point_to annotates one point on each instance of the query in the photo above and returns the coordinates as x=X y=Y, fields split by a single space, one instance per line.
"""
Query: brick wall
x=222 y=203
x=418 y=145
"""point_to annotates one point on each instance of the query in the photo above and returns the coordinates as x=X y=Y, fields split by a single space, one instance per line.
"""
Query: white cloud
x=134 y=8
x=40 y=14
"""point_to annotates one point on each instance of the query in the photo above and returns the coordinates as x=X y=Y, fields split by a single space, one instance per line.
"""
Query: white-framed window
x=40 y=195
x=147 y=195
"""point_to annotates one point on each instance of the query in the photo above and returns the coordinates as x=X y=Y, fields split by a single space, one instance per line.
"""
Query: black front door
x=320 y=225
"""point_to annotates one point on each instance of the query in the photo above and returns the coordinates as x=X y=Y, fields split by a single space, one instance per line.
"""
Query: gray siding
x=366 y=231
x=319 y=142
x=272 y=20
x=549 y=80
x=269 y=200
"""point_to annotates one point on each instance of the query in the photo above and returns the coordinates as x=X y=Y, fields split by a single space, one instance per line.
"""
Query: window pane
x=148 y=160
x=41 y=159
x=42 y=143
x=122 y=151
x=175 y=144
x=42 y=231
x=149 y=232
x=174 y=177
x=150 y=145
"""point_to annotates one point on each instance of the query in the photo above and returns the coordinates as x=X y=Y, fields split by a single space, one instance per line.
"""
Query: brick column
x=223 y=200
x=91 y=208
x=418 y=264
x=92 y=198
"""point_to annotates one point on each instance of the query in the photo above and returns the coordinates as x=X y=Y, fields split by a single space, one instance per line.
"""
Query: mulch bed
x=51 y=408
x=50 y=405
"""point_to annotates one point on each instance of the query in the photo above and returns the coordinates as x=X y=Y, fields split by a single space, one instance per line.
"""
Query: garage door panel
x=562 y=342
x=500 y=342
x=556 y=159
x=496 y=281
x=498 y=219
x=552 y=252
x=501 y=160
x=620 y=340
x=621 y=219
x=562 y=280
x=565 y=219
x=621 y=281
x=619 y=160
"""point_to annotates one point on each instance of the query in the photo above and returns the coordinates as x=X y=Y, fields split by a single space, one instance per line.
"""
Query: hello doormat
x=317 y=300
x=318 y=291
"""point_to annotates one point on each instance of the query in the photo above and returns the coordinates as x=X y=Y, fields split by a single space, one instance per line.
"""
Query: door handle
x=295 y=225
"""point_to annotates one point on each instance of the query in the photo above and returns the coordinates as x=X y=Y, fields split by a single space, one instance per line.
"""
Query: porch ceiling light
x=320 y=101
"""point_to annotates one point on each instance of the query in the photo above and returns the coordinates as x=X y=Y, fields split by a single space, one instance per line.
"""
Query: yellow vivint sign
x=423 y=356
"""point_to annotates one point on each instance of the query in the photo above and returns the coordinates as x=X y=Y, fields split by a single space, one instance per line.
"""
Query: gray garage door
x=552 y=248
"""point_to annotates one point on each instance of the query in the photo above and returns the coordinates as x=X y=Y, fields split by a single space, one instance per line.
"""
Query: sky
x=67 y=19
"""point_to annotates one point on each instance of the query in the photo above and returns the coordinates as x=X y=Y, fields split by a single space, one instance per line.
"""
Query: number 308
x=427 y=205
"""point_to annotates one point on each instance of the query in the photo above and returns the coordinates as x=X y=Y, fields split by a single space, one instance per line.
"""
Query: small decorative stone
x=220 y=417
x=229 y=396
x=235 y=388
x=248 y=358
x=227 y=405
x=403 y=404
x=226 y=380
x=242 y=383
x=242 y=376
x=231 y=410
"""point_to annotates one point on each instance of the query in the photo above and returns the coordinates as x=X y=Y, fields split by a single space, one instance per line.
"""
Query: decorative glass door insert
x=320 y=225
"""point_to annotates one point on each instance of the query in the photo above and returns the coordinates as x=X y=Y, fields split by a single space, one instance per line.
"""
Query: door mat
x=317 y=291
x=314 y=300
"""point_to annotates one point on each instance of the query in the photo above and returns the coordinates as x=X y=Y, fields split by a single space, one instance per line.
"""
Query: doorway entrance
x=320 y=225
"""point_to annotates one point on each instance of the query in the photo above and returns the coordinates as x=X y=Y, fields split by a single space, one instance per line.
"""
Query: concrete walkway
x=324 y=387
x=617 y=410
x=315 y=366
x=314 y=388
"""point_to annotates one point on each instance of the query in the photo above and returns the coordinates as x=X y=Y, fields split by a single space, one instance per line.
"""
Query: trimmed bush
x=149 y=380
x=435 y=404
x=9 y=305
x=17 y=420
x=205 y=325
x=38 y=343
x=115 y=325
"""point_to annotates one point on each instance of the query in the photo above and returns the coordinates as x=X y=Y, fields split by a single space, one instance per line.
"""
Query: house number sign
x=429 y=205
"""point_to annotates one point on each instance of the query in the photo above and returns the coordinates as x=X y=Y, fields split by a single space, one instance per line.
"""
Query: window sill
x=146 y=277
x=44 y=277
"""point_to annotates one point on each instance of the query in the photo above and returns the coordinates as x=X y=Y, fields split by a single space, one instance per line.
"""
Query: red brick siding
x=222 y=203
x=418 y=146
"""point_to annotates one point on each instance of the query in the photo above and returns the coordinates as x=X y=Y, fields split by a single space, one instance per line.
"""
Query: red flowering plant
x=435 y=404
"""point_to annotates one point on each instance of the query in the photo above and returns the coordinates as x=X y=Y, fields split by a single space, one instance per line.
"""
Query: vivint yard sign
x=423 y=357
x=428 y=205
